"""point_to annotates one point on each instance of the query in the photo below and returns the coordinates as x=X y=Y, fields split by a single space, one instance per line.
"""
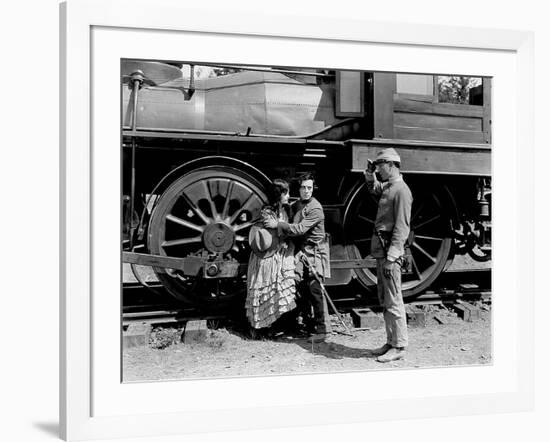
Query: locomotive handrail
x=256 y=139
x=231 y=136
x=127 y=130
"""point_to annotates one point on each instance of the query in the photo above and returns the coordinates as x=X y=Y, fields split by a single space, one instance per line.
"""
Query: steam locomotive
x=201 y=144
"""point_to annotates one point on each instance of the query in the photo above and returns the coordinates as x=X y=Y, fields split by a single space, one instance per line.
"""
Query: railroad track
x=142 y=305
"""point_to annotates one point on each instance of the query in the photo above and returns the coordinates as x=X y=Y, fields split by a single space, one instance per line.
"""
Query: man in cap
x=391 y=230
x=308 y=228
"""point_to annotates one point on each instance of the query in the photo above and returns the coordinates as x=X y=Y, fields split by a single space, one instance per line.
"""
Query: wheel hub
x=218 y=237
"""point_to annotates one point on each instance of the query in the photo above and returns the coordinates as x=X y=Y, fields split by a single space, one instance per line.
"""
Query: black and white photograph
x=287 y=220
x=264 y=221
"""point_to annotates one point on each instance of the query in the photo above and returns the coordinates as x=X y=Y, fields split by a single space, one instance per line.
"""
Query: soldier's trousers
x=312 y=294
x=391 y=299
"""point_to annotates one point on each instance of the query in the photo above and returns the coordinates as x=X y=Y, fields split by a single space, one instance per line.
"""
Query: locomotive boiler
x=201 y=144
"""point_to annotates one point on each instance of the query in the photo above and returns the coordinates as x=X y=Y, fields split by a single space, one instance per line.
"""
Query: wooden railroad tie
x=136 y=335
x=441 y=319
x=365 y=318
x=195 y=331
x=417 y=317
x=466 y=311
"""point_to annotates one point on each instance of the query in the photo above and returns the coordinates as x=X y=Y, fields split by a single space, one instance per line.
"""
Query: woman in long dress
x=271 y=284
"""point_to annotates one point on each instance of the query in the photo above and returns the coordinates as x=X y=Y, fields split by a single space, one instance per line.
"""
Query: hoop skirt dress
x=271 y=283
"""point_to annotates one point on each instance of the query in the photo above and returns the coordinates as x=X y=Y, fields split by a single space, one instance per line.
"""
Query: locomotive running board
x=192 y=265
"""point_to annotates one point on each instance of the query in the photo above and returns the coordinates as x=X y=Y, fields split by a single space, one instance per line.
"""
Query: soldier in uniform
x=308 y=229
x=392 y=227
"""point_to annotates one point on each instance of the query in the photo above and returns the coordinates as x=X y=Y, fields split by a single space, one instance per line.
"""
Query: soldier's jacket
x=308 y=229
x=393 y=216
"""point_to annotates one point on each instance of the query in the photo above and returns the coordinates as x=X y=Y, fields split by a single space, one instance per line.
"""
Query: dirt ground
x=225 y=352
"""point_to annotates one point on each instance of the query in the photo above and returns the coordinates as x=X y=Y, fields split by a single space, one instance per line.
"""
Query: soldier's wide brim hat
x=389 y=154
x=263 y=242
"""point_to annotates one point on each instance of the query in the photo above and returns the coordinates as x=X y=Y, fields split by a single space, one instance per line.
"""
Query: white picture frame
x=97 y=33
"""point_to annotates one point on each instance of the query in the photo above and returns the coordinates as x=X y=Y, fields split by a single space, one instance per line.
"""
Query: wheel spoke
x=417 y=211
x=179 y=242
x=430 y=257
x=415 y=267
x=364 y=218
x=241 y=209
x=227 y=199
x=184 y=223
x=428 y=237
x=426 y=222
x=243 y=226
x=195 y=209
x=208 y=192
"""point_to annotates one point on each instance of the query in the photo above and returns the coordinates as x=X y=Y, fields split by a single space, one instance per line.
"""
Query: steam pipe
x=137 y=80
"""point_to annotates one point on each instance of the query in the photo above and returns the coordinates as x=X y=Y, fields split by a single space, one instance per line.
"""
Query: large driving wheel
x=208 y=211
x=430 y=239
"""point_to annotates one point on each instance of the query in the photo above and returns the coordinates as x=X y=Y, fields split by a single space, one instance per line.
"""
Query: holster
x=404 y=261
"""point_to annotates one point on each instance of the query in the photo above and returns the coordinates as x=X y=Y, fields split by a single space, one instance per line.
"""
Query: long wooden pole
x=312 y=270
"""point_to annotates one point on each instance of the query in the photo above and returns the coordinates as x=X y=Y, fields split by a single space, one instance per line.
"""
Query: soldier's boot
x=380 y=350
x=393 y=354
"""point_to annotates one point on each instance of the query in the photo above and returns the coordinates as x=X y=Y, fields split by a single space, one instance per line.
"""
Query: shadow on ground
x=332 y=350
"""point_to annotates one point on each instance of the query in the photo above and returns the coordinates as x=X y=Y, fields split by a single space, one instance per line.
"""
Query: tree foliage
x=456 y=89
x=219 y=72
